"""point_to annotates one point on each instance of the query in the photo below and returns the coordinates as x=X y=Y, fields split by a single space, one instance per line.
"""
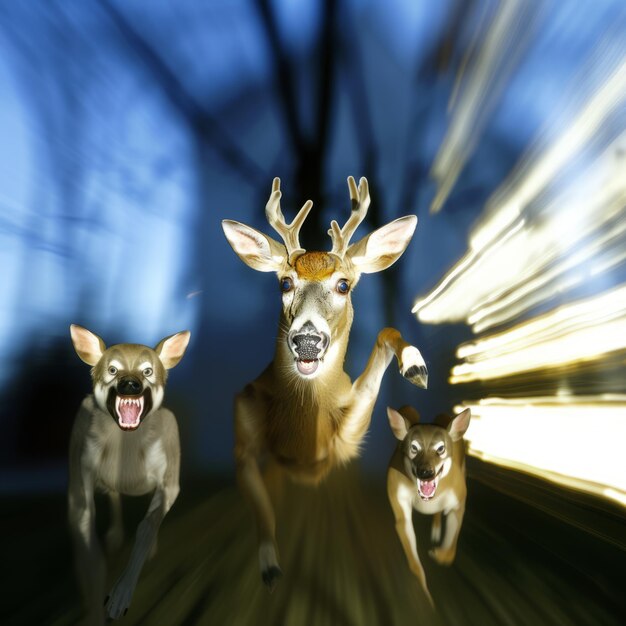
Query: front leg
x=365 y=388
x=89 y=560
x=446 y=552
x=115 y=534
x=435 y=530
x=400 y=498
x=121 y=594
x=390 y=343
x=250 y=409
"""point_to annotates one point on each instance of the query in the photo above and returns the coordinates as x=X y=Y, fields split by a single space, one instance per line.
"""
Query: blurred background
x=129 y=130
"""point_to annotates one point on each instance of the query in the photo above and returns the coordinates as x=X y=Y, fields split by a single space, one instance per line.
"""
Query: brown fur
x=305 y=425
x=316 y=265
x=449 y=498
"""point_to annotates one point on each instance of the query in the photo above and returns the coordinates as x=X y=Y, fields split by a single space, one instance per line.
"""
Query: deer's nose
x=129 y=386
x=308 y=343
x=425 y=473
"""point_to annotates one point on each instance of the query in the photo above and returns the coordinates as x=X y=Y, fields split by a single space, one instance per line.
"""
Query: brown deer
x=303 y=413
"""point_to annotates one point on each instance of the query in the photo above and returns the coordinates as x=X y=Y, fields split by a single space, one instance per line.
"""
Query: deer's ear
x=399 y=425
x=255 y=249
x=382 y=248
x=171 y=349
x=88 y=345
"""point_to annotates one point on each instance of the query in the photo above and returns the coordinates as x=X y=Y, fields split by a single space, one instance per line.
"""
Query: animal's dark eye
x=286 y=284
x=414 y=447
x=112 y=370
x=343 y=286
x=440 y=449
x=147 y=372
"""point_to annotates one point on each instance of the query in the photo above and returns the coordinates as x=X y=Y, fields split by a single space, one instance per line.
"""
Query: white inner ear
x=172 y=349
x=87 y=344
x=397 y=423
x=384 y=246
x=459 y=425
x=251 y=242
x=255 y=249
x=390 y=239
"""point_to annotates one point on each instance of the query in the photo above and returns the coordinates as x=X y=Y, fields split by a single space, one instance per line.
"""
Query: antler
x=360 y=201
x=288 y=232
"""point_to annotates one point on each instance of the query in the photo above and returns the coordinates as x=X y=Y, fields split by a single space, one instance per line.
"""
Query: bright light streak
x=575 y=442
x=538 y=235
x=581 y=331
x=484 y=78
x=602 y=104
x=557 y=223
x=555 y=277
x=535 y=258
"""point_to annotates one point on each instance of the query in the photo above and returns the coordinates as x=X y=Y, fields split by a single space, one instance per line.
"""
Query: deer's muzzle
x=308 y=346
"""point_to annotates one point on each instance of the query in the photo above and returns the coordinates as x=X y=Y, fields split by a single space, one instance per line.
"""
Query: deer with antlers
x=303 y=414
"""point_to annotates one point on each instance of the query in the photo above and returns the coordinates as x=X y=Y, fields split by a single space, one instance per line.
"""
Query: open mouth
x=129 y=410
x=308 y=347
x=427 y=488
x=307 y=367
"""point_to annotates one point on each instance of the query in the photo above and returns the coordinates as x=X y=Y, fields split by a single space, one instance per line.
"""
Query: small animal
x=427 y=473
x=123 y=442
x=303 y=413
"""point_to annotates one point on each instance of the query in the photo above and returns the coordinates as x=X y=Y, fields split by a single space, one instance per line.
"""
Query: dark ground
x=542 y=557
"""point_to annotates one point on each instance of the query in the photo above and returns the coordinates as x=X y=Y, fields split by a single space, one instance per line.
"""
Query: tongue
x=129 y=413
x=306 y=367
x=427 y=487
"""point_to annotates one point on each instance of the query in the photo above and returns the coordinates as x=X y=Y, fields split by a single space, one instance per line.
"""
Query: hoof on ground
x=271 y=576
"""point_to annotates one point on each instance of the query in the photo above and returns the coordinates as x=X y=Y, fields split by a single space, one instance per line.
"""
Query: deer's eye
x=440 y=449
x=147 y=372
x=286 y=284
x=112 y=370
x=343 y=287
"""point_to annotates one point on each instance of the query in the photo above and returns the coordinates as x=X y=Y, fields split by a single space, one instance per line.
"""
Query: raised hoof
x=418 y=375
x=271 y=576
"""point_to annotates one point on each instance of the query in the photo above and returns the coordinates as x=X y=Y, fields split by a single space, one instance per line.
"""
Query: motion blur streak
x=575 y=442
x=479 y=85
x=576 y=332
x=522 y=234
x=544 y=274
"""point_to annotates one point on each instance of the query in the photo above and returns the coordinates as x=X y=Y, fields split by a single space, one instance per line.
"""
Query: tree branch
x=199 y=121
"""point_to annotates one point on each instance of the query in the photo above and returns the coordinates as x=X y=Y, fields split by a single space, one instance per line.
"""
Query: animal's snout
x=308 y=343
x=129 y=386
x=425 y=473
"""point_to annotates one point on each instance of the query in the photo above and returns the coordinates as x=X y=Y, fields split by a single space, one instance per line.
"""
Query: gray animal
x=123 y=442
